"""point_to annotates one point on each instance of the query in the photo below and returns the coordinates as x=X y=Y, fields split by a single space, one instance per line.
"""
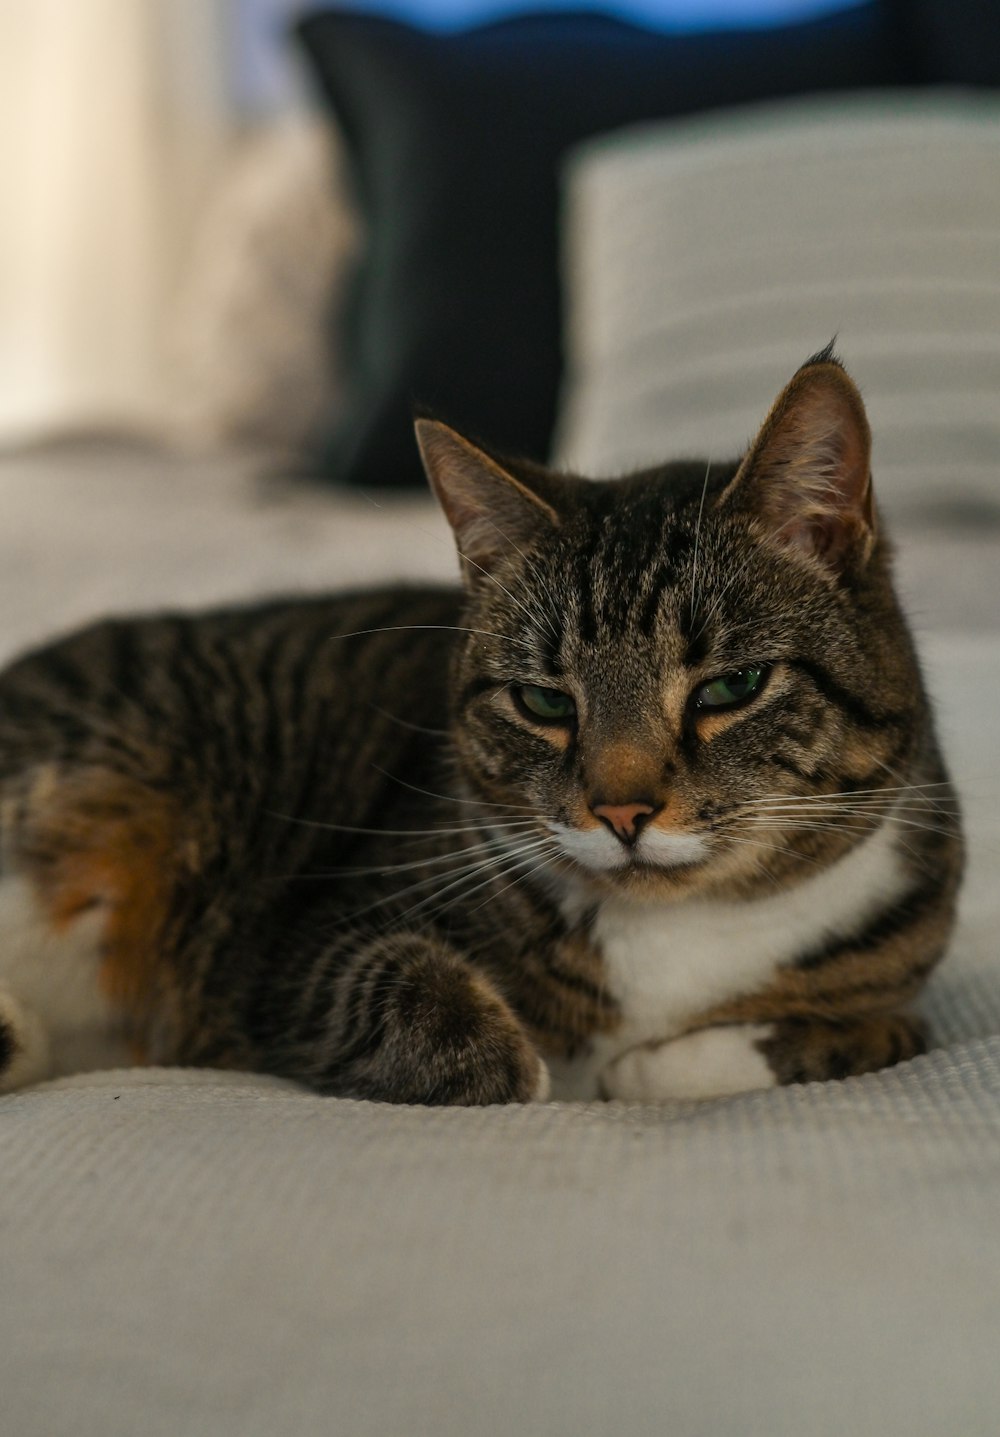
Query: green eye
x=729 y=690
x=549 y=705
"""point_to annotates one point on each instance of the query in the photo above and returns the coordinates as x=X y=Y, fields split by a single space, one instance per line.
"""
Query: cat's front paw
x=24 y=1046
x=713 y=1063
x=440 y=1032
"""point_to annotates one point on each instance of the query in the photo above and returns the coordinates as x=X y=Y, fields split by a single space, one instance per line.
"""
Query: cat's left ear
x=807 y=475
x=491 y=511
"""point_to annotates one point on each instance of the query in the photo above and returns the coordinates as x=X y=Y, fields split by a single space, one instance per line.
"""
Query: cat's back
x=218 y=728
x=240 y=675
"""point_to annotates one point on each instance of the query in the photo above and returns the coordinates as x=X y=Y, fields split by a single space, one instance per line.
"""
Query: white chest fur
x=666 y=963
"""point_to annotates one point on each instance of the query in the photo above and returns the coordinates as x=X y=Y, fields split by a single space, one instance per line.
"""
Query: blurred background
x=239 y=241
x=243 y=238
x=177 y=223
x=120 y=122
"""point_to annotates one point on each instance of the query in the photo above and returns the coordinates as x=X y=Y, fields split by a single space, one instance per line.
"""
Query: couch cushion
x=237 y=1260
x=707 y=261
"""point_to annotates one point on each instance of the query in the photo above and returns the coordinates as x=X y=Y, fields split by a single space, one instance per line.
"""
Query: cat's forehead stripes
x=619 y=575
x=641 y=563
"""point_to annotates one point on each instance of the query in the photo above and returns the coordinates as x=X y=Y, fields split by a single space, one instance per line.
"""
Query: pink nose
x=624 y=819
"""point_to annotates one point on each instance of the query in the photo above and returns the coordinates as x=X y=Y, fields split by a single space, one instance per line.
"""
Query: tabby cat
x=652 y=809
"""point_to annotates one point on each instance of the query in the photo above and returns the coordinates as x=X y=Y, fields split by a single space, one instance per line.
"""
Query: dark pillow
x=954 y=42
x=455 y=142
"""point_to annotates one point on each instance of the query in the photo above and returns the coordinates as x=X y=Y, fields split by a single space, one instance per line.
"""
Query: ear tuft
x=826 y=355
x=489 y=509
x=807 y=475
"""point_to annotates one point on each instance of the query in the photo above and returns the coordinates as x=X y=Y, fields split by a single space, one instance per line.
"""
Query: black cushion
x=455 y=143
x=954 y=42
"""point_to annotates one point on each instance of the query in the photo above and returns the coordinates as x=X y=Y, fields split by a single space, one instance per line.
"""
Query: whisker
x=533 y=618
x=464 y=871
x=751 y=557
x=540 y=615
x=441 y=628
x=697 y=538
x=508 y=540
x=717 y=603
x=472 y=826
x=830 y=826
x=517 y=859
x=532 y=567
x=774 y=847
x=501 y=869
x=490 y=898
x=924 y=808
x=806 y=825
x=829 y=815
x=846 y=793
x=452 y=798
x=385 y=870
x=405 y=723
x=900 y=812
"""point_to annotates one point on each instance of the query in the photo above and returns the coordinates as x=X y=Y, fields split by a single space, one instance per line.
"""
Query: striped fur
x=327 y=838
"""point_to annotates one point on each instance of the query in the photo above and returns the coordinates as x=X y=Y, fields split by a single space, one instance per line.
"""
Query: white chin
x=601 y=852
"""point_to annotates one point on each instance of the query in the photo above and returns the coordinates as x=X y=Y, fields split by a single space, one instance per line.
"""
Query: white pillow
x=251 y=359
x=706 y=260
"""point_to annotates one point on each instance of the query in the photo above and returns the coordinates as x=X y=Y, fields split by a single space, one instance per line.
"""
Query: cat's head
x=657 y=669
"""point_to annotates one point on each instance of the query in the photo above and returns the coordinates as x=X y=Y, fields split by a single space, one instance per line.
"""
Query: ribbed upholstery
x=184 y=1255
x=705 y=262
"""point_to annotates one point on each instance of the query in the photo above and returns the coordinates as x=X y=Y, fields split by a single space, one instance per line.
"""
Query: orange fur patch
x=102 y=842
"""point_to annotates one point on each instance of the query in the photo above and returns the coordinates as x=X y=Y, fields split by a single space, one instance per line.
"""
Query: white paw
x=713 y=1063
x=543 y=1087
x=30 y=1059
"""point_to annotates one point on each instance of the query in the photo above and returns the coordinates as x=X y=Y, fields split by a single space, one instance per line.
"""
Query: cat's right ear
x=490 y=510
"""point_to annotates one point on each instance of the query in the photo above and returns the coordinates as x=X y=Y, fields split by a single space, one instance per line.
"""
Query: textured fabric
x=707 y=263
x=103 y=529
x=213 y=1255
x=454 y=142
x=235 y=1261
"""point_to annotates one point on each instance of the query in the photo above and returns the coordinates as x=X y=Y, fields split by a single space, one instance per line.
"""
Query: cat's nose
x=625 y=820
